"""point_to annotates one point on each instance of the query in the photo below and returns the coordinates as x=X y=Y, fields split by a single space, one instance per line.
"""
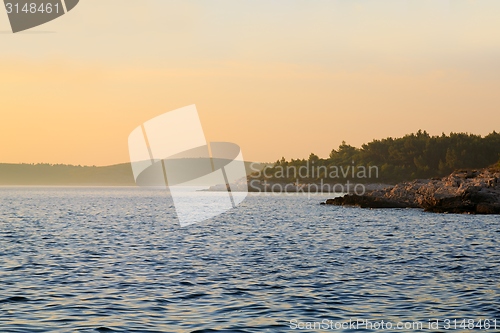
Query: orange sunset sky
x=279 y=78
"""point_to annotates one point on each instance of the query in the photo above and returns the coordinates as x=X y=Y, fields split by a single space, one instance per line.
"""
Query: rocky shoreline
x=464 y=191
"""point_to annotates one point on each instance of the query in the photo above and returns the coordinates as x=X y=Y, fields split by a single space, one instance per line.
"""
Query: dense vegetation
x=410 y=157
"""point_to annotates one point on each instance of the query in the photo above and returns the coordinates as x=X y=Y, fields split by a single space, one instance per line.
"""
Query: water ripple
x=114 y=260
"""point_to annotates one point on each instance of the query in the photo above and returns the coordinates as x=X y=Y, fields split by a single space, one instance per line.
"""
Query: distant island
x=66 y=175
x=376 y=164
x=44 y=174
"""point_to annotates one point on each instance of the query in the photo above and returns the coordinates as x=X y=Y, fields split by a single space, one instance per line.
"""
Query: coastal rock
x=464 y=191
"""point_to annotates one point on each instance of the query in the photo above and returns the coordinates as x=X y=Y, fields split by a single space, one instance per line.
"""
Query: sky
x=277 y=77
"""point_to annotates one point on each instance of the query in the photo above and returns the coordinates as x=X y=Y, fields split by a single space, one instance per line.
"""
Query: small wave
x=105 y=329
x=15 y=299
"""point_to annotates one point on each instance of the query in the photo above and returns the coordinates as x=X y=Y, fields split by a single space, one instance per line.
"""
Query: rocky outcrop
x=464 y=191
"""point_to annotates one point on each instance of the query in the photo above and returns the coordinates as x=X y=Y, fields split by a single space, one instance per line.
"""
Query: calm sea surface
x=115 y=260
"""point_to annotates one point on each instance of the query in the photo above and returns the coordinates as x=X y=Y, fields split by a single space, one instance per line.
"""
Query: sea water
x=116 y=260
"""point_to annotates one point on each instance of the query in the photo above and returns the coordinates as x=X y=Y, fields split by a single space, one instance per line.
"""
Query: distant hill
x=60 y=174
x=71 y=175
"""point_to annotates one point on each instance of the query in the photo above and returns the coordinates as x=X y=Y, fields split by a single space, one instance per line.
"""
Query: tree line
x=413 y=156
